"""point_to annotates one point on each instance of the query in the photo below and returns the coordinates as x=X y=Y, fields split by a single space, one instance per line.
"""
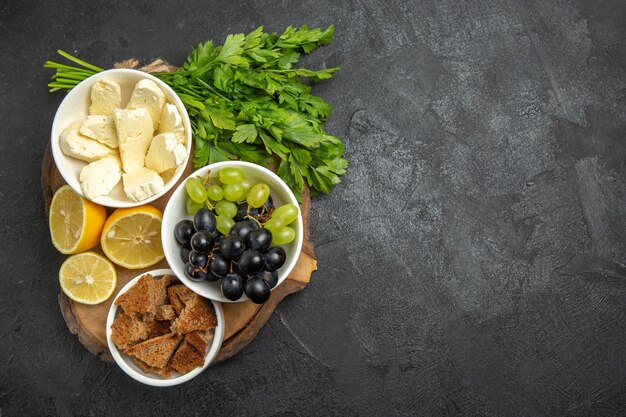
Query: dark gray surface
x=469 y=262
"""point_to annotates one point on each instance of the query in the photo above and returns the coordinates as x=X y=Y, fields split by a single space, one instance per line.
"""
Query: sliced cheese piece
x=77 y=146
x=148 y=95
x=142 y=183
x=172 y=122
x=100 y=128
x=165 y=153
x=134 y=132
x=106 y=95
x=100 y=177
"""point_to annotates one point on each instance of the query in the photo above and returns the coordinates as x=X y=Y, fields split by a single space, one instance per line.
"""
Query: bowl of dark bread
x=160 y=332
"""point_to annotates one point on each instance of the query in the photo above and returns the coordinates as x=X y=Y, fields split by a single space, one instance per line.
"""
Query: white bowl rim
x=174 y=264
x=154 y=380
x=57 y=154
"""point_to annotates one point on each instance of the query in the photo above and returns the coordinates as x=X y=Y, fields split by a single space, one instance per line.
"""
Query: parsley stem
x=63 y=83
x=56 y=65
x=68 y=81
x=213 y=90
x=68 y=75
x=78 y=61
x=56 y=87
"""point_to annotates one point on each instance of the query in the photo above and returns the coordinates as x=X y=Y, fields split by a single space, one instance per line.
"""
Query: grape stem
x=210 y=257
x=208 y=204
x=254 y=218
x=206 y=178
x=199 y=268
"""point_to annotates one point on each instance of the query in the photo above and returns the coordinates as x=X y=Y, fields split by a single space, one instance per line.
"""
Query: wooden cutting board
x=243 y=320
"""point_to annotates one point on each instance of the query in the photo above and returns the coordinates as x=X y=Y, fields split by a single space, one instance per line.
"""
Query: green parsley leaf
x=222 y=119
x=245 y=133
x=232 y=49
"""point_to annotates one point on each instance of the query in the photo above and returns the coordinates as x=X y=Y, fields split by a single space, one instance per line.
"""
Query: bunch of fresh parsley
x=246 y=101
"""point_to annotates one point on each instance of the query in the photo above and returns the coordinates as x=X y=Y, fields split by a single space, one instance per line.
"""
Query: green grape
x=231 y=175
x=224 y=224
x=233 y=192
x=246 y=184
x=274 y=225
x=195 y=190
x=226 y=209
x=192 y=206
x=258 y=195
x=215 y=192
x=283 y=236
x=288 y=213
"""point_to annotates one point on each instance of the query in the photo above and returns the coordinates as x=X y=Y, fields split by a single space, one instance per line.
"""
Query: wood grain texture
x=243 y=320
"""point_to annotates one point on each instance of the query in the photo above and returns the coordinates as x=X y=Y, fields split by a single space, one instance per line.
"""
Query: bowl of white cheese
x=121 y=138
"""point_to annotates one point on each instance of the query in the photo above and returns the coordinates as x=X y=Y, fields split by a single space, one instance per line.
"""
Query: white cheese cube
x=142 y=183
x=100 y=128
x=106 y=95
x=134 y=133
x=172 y=122
x=148 y=95
x=100 y=177
x=165 y=153
x=77 y=146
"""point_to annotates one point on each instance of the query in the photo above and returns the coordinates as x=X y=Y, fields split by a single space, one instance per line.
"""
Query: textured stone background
x=470 y=263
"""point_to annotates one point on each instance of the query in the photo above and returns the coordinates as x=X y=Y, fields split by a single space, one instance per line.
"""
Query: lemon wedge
x=75 y=223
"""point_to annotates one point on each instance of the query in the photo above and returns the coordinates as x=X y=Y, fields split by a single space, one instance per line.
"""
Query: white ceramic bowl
x=176 y=211
x=128 y=366
x=75 y=107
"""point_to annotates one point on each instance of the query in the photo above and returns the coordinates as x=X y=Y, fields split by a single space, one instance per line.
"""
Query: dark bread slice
x=165 y=372
x=160 y=290
x=136 y=301
x=155 y=352
x=159 y=328
x=186 y=358
x=143 y=298
x=165 y=312
x=198 y=340
x=179 y=295
x=197 y=315
x=128 y=331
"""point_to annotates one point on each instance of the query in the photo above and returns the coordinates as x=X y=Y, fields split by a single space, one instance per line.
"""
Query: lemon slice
x=75 y=223
x=88 y=278
x=132 y=237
